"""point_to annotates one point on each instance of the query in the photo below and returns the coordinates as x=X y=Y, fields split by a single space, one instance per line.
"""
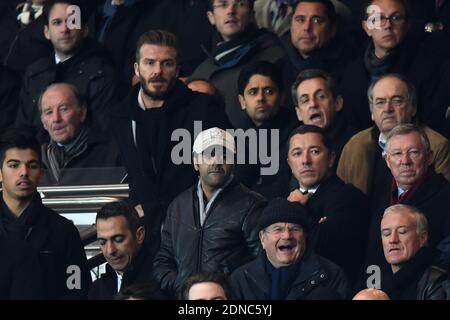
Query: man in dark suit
x=335 y=207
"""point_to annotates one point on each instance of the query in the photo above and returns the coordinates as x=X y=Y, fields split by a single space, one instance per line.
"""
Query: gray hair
x=407 y=128
x=79 y=98
x=313 y=74
x=410 y=89
x=419 y=217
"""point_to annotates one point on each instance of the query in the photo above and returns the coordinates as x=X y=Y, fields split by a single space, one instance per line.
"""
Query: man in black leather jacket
x=404 y=233
x=211 y=226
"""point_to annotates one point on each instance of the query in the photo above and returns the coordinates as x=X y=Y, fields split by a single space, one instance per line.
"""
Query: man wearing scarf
x=73 y=143
x=288 y=268
x=237 y=42
x=412 y=274
x=409 y=158
x=392 y=49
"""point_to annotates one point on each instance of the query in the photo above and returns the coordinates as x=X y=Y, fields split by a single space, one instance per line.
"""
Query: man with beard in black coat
x=145 y=127
x=335 y=207
x=53 y=239
x=77 y=60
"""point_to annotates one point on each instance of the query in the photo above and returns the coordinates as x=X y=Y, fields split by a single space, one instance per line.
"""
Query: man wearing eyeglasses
x=392 y=101
x=391 y=49
x=288 y=268
x=409 y=158
x=236 y=43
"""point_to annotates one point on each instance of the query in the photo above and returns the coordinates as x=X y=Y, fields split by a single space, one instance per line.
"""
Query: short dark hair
x=143 y=291
x=21 y=138
x=216 y=277
x=48 y=6
x=121 y=209
x=157 y=38
x=368 y=3
x=329 y=6
x=306 y=128
x=263 y=68
x=79 y=97
x=211 y=3
x=312 y=74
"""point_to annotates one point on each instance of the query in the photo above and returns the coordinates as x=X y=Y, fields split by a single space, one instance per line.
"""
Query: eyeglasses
x=413 y=154
x=396 y=102
x=226 y=4
x=279 y=229
x=396 y=19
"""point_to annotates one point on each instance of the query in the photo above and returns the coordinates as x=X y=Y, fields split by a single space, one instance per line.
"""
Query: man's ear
x=338 y=103
x=46 y=33
x=242 y=101
x=366 y=28
x=195 y=162
x=261 y=238
x=211 y=17
x=140 y=235
x=297 y=112
x=136 y=69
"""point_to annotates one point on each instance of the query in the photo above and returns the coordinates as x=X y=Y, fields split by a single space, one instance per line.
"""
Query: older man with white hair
x=212 y=226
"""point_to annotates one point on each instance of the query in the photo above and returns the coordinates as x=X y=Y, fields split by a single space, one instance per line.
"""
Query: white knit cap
x=213 y=137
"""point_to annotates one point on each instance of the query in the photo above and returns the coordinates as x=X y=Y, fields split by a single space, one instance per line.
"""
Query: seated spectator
x=206 y=286
x=20 y=276
x=260 y=86
x=236 y=43
x=74 y=141
x=404 y=233
x=53 y=239
x=318 y=103
x=288 y=269
x=333 y=205
x=121 y=238
x=371 y=294
x=212 y=225
x=77 y=60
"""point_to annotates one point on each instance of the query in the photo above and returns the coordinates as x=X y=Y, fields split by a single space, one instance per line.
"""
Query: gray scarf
x=60 y=155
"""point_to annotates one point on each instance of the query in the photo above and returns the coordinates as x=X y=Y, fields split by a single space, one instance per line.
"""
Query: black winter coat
x=227 y=239
x=139 y=273
x=318 y=279
x=156 y=185
x=20 y=276
x=57 y=243
x=9 y=97
x=89 y=70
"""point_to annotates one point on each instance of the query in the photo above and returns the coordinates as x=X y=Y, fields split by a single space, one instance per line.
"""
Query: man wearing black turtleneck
x=237 y=42
x=52 y=238
x=77 y=60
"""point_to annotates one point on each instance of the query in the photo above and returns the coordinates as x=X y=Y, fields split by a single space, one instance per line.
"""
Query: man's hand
x=297 y=196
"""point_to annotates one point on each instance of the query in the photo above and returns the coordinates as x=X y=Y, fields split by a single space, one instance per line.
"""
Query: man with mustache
x=144 y=122
x=392 y=49
x=392 y=101
x=76 y=60
x=318 y=102
x=288 y=268
x=75 y=143
x=53 y=239
x=412 y=274
x=333 y=205
x=409 y=157
x=212 y=225
x=121 y=237
x=236 y=43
